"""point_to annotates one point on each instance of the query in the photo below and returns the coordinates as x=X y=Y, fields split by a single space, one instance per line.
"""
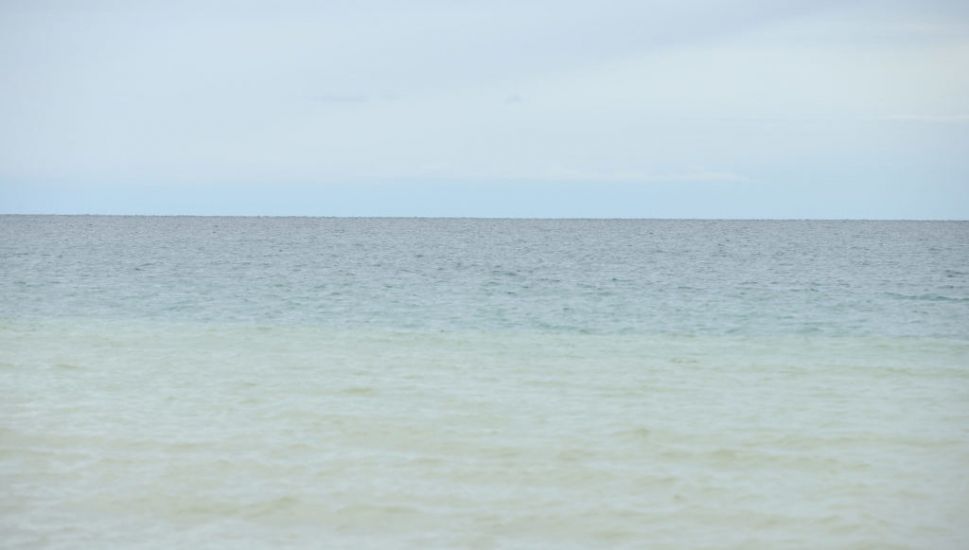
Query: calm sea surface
x=444 y=383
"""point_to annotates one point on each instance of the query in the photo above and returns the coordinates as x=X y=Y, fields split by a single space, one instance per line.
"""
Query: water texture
x=394 y=383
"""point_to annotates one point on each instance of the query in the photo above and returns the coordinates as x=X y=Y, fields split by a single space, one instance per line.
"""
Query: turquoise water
x=226 y=382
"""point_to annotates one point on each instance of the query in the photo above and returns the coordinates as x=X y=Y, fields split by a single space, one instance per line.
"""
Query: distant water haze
x=441 y=383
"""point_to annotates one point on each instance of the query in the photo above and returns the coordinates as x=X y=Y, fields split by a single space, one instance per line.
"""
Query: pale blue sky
x=689 y=108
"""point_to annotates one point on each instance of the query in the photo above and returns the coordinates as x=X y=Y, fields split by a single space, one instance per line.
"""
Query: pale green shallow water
x=173 y=388
x=159 y=435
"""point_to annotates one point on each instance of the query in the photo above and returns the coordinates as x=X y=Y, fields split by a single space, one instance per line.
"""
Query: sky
x=498 y=108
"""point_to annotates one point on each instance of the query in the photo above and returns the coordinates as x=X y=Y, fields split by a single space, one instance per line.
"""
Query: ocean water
x=446 y=383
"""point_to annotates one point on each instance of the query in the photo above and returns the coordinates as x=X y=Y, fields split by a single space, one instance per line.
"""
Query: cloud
x=340 y=98
x=694 y=175
x=929 y=119
x=624 y=91
x=703 y=176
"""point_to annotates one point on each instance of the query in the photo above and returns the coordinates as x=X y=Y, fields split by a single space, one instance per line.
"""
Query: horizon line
x=483 y=218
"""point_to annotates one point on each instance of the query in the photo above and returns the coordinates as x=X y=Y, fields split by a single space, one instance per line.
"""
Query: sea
x=246 y=382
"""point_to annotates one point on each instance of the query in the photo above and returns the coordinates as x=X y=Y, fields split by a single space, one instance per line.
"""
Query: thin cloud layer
x=175 y=93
